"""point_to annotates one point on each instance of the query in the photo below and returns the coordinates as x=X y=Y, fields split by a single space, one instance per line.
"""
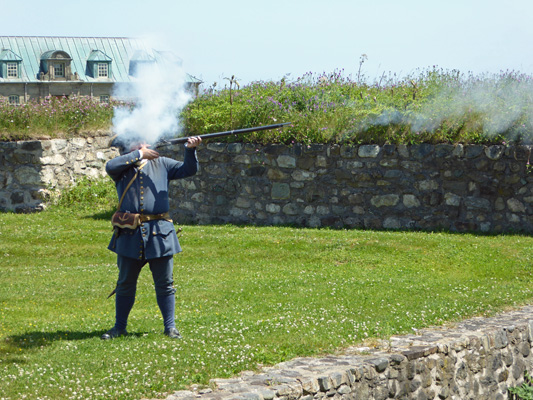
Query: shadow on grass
x=334 y=224
x=463 y=232
x=102 y=215
x=13 y=346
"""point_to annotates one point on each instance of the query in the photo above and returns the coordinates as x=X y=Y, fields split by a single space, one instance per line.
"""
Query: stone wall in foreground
x=28 y=169
x=478 y=359
x=452 y=187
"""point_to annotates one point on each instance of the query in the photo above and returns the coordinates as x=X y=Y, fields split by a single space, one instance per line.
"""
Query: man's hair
x=125 y=144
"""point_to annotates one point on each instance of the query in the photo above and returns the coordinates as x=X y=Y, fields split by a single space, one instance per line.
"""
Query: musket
x=165 y=142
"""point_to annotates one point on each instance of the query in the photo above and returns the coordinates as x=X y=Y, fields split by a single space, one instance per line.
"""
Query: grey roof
x=8 y=55
x=30 y=50
x=98 y=55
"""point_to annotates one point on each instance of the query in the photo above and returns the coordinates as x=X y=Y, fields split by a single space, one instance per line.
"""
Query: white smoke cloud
x=158 y=92
x=503 y=106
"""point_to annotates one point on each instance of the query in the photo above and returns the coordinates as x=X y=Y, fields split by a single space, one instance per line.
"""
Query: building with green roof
x=40 y=66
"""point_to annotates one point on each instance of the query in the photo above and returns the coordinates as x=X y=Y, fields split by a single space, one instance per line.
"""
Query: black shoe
x=113 y=333
x=173 y=333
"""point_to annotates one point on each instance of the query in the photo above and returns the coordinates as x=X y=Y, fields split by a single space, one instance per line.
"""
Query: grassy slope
x=246 y=295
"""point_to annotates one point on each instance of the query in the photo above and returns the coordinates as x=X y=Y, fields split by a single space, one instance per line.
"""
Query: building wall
x=36 y=91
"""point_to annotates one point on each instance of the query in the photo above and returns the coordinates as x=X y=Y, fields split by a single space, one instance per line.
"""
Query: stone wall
x=478 y=359
x=28 y=169
x=453 y=187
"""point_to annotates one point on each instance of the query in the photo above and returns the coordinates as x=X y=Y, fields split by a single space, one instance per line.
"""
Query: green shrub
x=525 y=391
x=98 y=194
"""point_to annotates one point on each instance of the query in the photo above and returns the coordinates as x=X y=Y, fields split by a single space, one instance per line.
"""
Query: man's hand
x=193 y=142
x=148 y=154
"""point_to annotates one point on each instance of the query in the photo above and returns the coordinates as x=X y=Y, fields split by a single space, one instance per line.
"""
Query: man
x=155 y=240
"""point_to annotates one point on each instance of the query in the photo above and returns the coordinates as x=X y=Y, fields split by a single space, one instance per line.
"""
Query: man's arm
x=118 y=165
x=189 y=166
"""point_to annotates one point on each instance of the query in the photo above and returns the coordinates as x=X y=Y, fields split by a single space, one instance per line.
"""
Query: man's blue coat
x=148 y=195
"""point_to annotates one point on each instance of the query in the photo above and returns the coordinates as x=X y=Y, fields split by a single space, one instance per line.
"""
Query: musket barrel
x=219 y=134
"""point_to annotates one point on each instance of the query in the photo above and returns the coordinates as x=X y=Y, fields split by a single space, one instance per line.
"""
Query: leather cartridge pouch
x=125 y=220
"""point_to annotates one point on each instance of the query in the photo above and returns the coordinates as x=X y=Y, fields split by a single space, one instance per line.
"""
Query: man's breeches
x=130 y=268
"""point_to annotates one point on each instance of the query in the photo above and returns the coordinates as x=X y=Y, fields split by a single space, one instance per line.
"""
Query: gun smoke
x=157 y=94
x=499 y=105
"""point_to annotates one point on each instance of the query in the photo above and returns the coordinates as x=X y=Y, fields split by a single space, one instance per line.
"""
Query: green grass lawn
x=245 y=296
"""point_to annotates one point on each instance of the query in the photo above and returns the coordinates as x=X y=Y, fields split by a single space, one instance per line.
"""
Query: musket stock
x=220 y=134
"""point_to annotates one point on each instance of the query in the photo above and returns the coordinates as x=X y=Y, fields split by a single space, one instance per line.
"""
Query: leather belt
x=152 y=217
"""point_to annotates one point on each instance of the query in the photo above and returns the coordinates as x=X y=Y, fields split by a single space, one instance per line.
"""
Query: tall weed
x=430 y=106
x=53 y=117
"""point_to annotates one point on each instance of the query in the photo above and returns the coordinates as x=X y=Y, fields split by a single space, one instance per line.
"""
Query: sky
x=269 y=40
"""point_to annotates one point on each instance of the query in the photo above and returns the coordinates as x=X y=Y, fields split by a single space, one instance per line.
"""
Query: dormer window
x=103 y=70
x=9 y=64
x=59 y=70
x=12 y=70
x=55 y=66
x=99 y=65
x=140 y=60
